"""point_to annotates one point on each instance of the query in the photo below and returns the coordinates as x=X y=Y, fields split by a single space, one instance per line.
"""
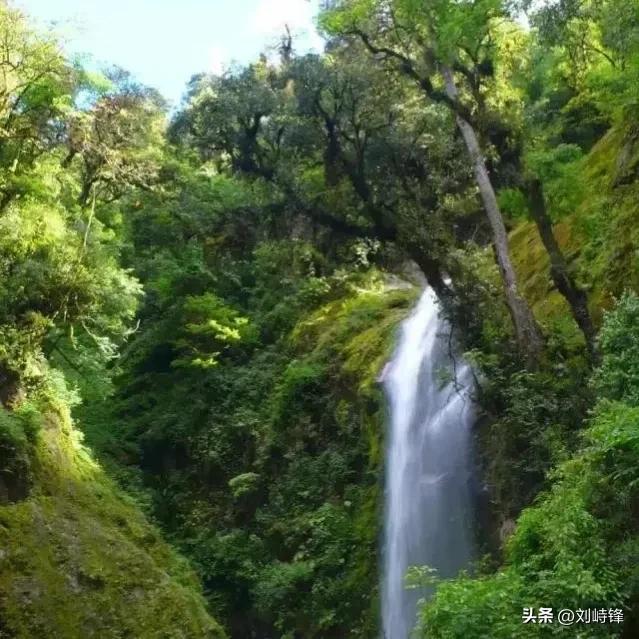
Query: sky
x=164 y=42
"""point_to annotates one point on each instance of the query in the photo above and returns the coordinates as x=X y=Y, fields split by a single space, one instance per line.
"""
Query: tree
x=559 y=270
x=64 y=163
x=233 y=119
x=116 y=142
x=588 y=30
x=378 y=140
x=37 y=88
x=436 y=44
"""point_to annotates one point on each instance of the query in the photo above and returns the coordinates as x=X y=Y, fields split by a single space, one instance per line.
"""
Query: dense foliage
x=78 y=558
x=576 y=547
x=209 y=297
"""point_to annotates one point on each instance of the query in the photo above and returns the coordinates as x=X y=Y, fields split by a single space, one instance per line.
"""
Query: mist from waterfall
x=428 y=508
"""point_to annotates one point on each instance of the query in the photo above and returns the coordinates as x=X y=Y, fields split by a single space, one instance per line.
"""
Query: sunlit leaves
x=209 y=328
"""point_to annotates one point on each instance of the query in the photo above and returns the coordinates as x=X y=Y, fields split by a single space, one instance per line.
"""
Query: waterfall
x=428 y=501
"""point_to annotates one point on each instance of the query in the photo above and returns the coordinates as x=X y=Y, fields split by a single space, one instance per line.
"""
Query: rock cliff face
x=77 y=558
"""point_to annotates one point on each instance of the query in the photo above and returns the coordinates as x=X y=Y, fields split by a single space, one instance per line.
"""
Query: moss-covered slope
x=77 y=558
x=601 y=236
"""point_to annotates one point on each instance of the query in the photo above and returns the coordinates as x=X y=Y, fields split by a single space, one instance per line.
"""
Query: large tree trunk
x=527 y=331
x=559 y=270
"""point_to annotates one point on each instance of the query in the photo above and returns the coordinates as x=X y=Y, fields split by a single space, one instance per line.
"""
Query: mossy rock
x=79 y=560
x=357 y=332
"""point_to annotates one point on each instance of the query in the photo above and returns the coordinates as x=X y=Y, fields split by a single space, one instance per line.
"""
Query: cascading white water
x=428 y=472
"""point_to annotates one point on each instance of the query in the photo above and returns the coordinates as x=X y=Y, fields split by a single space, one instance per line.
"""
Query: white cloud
x=272 y=16
x=218 y=60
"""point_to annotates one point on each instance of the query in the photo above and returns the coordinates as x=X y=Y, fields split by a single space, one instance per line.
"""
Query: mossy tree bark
x=559 y=271
x=527 y=331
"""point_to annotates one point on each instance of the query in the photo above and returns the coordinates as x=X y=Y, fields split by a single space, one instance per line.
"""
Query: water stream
x=428 y=473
